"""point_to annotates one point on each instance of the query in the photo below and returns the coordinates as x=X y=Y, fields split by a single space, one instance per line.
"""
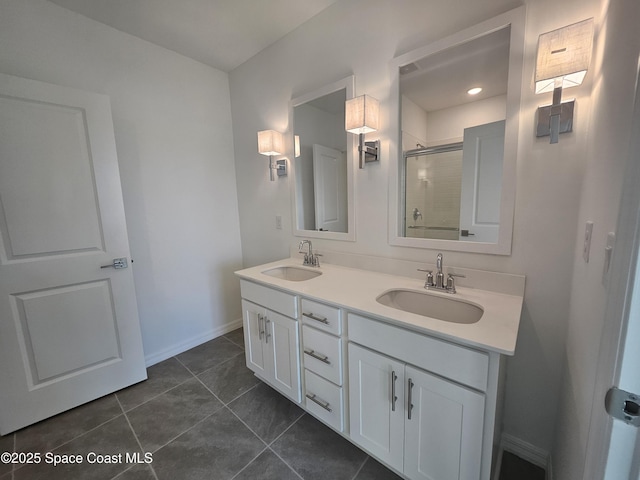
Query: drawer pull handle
x=410 y=403
x=394 y=398
x=316 y=318
x=260 y=326
x=315 y=399
x=266 y=330
x=317 y=356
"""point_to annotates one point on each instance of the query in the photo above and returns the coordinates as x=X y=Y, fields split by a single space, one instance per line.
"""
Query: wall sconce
x=271 y=143
x=361 y=117
x=563 y=59
x=296 y=146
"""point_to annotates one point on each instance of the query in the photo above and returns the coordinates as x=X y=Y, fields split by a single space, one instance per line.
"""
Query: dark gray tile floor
x=200 y=415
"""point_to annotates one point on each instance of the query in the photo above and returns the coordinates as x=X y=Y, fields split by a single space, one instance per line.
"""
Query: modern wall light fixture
x=362 y=115
x=296 y=146
x=562 y=62
x=271 y=143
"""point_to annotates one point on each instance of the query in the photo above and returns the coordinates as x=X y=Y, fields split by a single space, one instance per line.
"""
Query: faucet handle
x=428 y=283
x=451 y=285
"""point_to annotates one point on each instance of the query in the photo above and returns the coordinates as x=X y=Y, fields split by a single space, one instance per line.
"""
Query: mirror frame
x=348 y=84
x=515 y=19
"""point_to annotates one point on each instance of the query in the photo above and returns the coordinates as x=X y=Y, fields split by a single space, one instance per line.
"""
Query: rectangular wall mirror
x=453 y=176
x=322 y=163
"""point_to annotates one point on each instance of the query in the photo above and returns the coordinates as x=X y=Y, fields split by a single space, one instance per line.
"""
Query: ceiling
x=441 y=80
x=220 y=33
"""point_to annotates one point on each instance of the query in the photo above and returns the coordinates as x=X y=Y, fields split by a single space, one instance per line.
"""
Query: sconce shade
x=564 y=55
x=270 y=142
x=296 y=146
x=362 y=114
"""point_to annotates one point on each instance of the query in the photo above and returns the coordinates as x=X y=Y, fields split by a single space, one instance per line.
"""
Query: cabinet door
x=376 y=418
x=253 y=319
x=281 y=341
x=443 y=437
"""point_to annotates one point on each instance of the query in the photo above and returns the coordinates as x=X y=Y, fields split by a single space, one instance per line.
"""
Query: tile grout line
x=55 y=447
x=284 y=461
x=151 y=398
x=250 y=462
x=366 y=459
x=135 y=435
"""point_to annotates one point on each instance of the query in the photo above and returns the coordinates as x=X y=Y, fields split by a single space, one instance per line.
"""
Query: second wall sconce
x=271 y=143
x=562 y=62
x=362 y=115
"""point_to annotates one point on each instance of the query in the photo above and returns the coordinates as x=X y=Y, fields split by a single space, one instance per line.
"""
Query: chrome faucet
x=439 y=284
x=311 y=259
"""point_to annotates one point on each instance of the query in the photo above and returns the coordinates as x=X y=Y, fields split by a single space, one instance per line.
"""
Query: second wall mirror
x=323 y=190
x=453 y=177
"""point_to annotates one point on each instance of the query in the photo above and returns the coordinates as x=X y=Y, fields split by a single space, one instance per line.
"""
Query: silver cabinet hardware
x=266 y=329
x=624 y=406
x=317 y=356
x=313 y=397
x=260 y=326
x=394 y=398
x=451 y=284
x=312 y=316
x=409 y=403
x=437 y=281
x=118 y=263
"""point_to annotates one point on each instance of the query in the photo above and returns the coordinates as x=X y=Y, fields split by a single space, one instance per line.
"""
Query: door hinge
x=623 y=405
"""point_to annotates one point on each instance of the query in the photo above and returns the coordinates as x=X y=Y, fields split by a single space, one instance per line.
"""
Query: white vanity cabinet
x=322 y=357
x=421 y=395
x=271 y=338
x=412 y=418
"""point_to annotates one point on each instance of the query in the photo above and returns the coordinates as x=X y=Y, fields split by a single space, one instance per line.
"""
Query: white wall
x=447 y=125
x=341 y=41
x=615 y=66
x=173 y=136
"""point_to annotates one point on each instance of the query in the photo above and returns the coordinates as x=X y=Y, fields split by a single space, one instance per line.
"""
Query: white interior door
x=69 y=330
x=330 y=188
x=613 y=450
x=482 y=158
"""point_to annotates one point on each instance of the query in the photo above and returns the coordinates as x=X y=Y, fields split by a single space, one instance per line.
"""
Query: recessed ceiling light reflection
x=474 y=91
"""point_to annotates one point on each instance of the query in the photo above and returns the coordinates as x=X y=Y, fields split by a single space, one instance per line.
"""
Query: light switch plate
x=588 y=231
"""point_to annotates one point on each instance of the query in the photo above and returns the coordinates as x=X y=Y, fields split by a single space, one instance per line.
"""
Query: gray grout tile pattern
x=202 y=415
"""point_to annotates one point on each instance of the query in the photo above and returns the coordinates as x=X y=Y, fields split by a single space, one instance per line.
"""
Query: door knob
x=117 y=263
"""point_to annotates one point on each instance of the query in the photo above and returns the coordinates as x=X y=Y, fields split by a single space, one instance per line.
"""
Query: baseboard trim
x=178 y=348
x=525 y=450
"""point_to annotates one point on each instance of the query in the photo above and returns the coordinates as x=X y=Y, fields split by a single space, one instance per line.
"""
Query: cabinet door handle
x=317 y=356
x=409 y=404
x=266 y=329
x=394 y=398
x=316 y=318
x=260 y=326
x=315 y=399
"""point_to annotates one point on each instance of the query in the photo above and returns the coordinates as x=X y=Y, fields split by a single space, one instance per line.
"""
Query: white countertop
x=357 y=290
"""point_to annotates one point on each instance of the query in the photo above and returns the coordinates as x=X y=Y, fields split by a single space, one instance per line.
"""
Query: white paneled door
x=330 y=188
x=69 y=329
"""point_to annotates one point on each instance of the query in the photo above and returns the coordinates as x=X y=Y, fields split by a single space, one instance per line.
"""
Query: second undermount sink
x=293 y=274
x=429 y=305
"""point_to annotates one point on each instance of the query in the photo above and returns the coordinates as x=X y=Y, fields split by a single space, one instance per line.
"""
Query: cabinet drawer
x=324 y=317
x=324 y=400
x=460 y=364
x=322 y=354
x=275 y=300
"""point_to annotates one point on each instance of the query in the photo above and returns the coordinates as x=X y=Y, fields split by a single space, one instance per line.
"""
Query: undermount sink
x=429 y=305
x=293 y=274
